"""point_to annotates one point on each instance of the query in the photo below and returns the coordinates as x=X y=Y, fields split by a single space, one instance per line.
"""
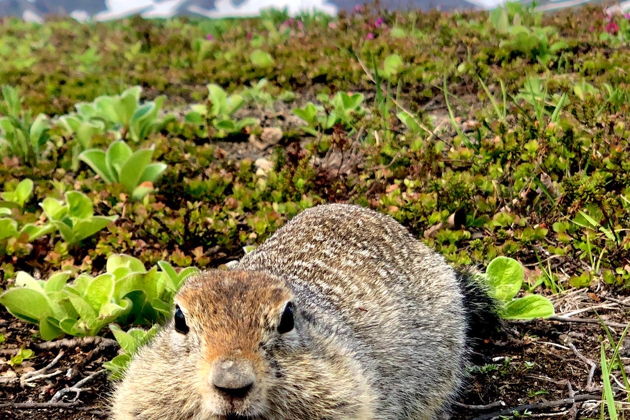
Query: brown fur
x=380 y=330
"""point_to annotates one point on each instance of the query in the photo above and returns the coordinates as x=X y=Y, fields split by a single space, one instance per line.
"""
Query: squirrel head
x=230 y=324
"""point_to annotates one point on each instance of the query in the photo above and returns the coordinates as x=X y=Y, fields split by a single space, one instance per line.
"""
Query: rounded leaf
x=528 y=307
x=27 y=304
x=505 y=277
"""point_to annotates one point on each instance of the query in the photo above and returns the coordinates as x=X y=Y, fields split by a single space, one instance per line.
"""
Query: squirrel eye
x=180 y=321
x=286 y=321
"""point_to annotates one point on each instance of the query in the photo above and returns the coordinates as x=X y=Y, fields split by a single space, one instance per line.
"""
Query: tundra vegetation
x=137 y=152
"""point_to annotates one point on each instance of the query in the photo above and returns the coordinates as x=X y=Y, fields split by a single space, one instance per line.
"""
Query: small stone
x=263 y=166
x=271 y=135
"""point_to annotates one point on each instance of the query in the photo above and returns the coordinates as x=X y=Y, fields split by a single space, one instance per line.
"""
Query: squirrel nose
x=233 y=378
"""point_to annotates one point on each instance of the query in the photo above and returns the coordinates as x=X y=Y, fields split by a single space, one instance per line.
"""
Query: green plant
x=20 y=195
x=119 y=164
x=11 y=233
x=21 y=356
x=608 y=365
x=219 y=114
x=392 y=65
x=258 y=93
x=123 y=113
x=521 y=26
x=83 y=131
x=454 y=123
x=74 y=218
x=10 y=229
x=130 y=341
x=500 y=111
x=260 y=58
x=125 y=293
x=21 y=135
x=504 y=277
x=343 y=108
x=534 y=92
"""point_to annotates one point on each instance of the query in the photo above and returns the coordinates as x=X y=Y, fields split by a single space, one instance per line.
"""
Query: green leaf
x=162 y=307
x=133 y=169
x=100 y=291
x=609 y=394
x=194 y=118
x=48 y=330
x=27 y=304
x=54 y=209
x=308 y=113
x=528 y=307
x=117 y=366
x=116 y=261
x=118 y=154
x=82 y=307
x=8 y=228
x=171 y=275
x=392 y=65
x=110 y=311
x=260 y=58
x=21 y=355
x=505 y=277
x=218 y=100
x=96 y=159
x=23 y=192
x=142 y=190
x=79 y=205
x=33 y=231
x=126 y=341
x=88 y=227
x=184 y=274
x=127 y=104
x=23 y=279
x=57 y=281
x=106 y=109
x=409 y=121
x=65 y=230
x=152 y=172
x=350 y=102
x=68 y=326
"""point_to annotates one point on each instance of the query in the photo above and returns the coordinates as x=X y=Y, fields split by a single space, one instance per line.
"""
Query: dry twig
x=30 y=377
x=538 y=406
x=36 y=405
x=587 y=321
x=591 y=363
x=76 y=342
x=76 y=388
x=480 y=407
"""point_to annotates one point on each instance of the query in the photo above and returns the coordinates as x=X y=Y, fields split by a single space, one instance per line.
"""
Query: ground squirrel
x=341 y=314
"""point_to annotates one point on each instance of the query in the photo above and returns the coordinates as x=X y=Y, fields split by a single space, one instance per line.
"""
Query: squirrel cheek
x=179 y=342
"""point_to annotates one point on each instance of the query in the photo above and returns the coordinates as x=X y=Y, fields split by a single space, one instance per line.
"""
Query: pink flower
x=612 y=27
x=209 y=37
x=359 y=8
x=369 y=35
x=627 y=15
x=333 y=25
x=379 y=22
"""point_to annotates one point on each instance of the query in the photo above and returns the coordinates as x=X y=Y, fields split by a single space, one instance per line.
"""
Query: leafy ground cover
x=486 y=135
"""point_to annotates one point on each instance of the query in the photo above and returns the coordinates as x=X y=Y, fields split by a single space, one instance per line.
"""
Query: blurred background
x=35 y=10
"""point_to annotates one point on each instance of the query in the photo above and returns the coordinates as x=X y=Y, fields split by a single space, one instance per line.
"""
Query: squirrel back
x=341 y=314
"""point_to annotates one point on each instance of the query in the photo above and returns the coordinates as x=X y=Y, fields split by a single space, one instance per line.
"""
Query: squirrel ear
x=286 y=320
